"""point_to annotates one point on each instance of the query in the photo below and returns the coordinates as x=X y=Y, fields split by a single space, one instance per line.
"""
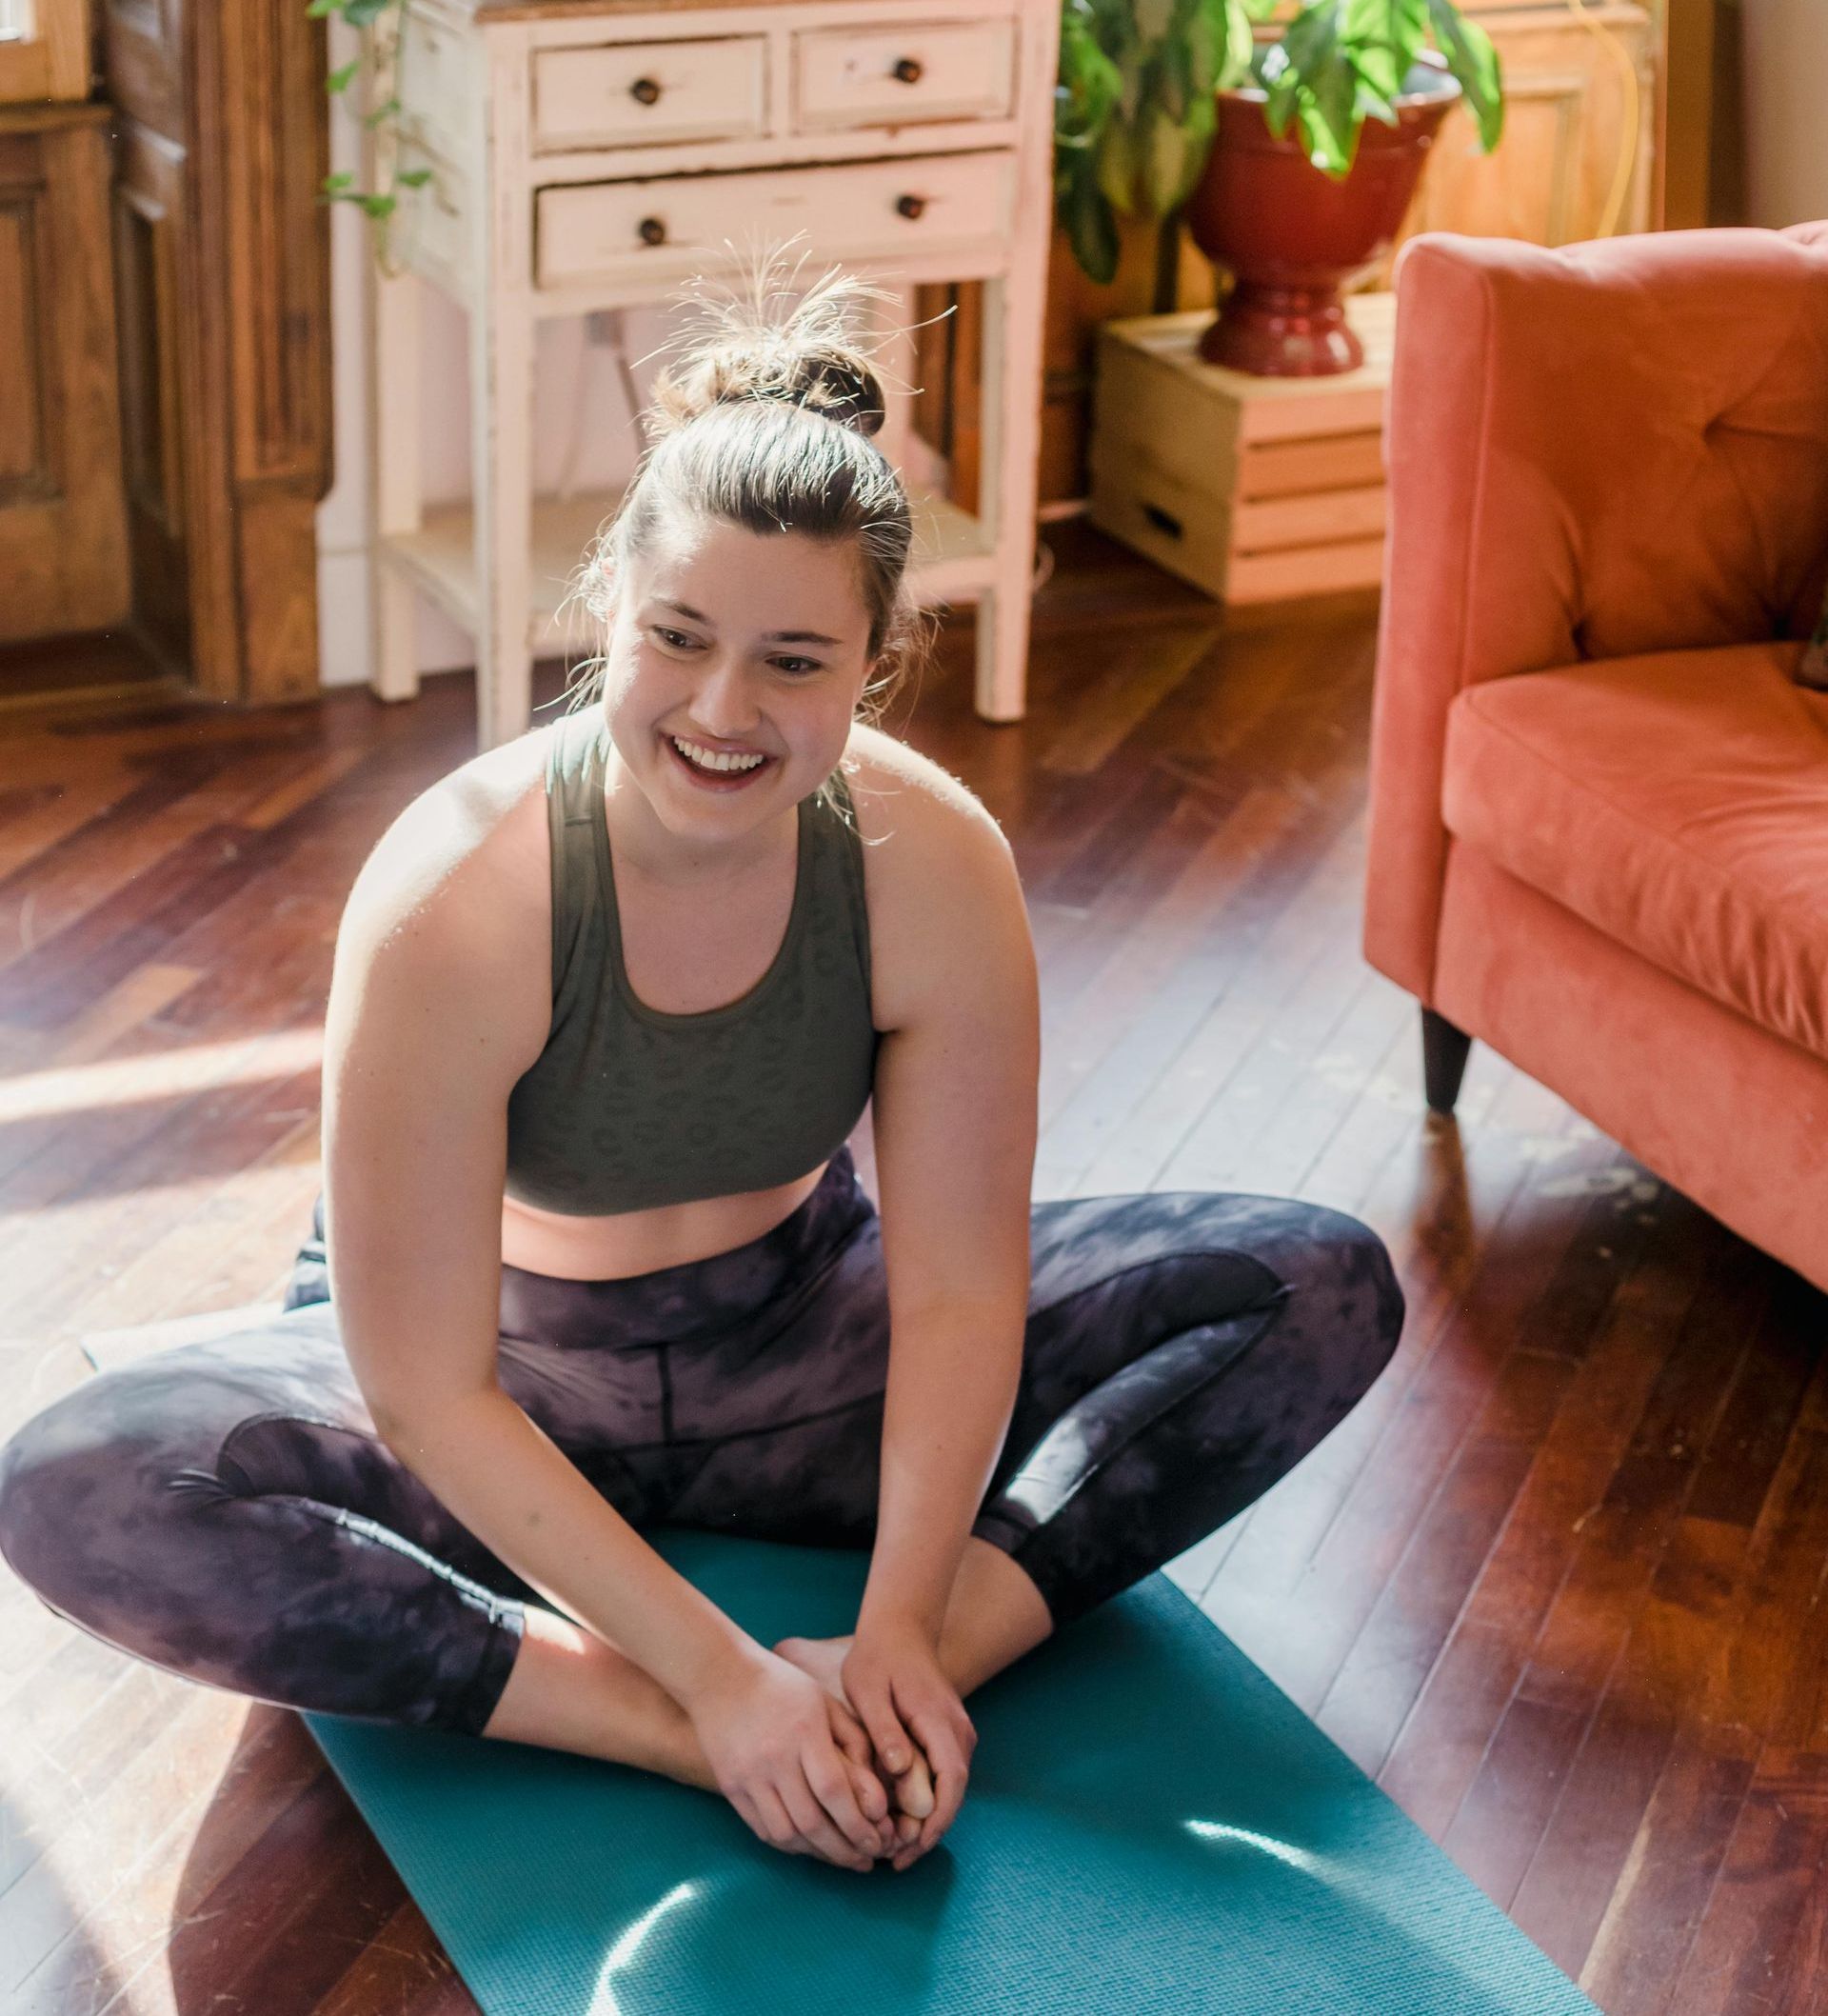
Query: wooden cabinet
x=63 y=535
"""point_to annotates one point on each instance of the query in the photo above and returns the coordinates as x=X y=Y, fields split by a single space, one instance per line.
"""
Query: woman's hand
x=793 y=1762
x=893 y=1678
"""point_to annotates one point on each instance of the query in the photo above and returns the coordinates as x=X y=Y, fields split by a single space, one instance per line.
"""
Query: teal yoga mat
x=1152 y=1826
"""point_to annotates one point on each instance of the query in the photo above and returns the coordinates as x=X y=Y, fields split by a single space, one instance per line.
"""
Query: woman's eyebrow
x=685 y=608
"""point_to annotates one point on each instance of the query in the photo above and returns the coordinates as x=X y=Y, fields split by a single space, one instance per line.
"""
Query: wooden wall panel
x=149 y=261
x=53 y=62
x=1578 y=154
x=62 y=532
x=278 y=331
x=23 y=389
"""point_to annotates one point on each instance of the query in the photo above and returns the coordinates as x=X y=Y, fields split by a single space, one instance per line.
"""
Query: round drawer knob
x=645 y=90
x=653 y=230
x=910 y=205
x=908 y=70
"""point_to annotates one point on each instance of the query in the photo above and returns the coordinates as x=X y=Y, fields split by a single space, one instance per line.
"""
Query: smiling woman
x=592 y=1254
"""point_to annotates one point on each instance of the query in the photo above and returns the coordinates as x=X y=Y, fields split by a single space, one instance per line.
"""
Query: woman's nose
x=725 y=706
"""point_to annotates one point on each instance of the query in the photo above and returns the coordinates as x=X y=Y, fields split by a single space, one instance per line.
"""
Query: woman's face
x=742 y=644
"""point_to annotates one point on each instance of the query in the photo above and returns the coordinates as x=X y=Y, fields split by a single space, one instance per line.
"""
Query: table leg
x=393 y=436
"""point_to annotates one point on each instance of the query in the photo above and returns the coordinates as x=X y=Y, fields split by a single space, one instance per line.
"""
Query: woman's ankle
x=570 y=1690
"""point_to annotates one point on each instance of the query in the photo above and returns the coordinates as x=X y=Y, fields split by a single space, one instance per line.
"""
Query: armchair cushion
x=1677 y=801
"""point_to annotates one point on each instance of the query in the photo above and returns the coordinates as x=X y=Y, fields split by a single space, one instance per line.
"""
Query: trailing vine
x=378 y=23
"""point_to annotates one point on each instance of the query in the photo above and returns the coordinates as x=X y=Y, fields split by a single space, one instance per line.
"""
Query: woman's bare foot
x=912 y=1792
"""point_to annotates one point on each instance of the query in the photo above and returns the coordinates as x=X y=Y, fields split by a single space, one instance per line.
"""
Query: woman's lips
x=715 y=780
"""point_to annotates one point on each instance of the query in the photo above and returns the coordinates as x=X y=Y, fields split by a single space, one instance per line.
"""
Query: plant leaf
x=1115 y=167
x=1090 y=225
x=413 y=177
x=1164 y=163
x=1089 y=81
x=1320 y=141
x=1174 y=74
x=1472 y=59
x=1205 y=43
x=1336 y=100
x=1114 y=25
x=1312 y=37
x=340 y=80
x=1374 y=105
x=1385 y=37
x=1240 y=46
x=334 y=185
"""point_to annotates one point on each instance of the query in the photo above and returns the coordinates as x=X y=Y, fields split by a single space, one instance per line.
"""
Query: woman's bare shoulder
x=938 y=870
x=467 y=864
x=901 y=793
x=473 y=838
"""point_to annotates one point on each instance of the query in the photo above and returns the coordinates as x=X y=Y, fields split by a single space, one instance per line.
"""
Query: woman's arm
x=955 y=1128
x=438 y=1003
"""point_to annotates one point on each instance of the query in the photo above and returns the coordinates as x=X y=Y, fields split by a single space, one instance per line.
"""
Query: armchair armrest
x=1616 y=448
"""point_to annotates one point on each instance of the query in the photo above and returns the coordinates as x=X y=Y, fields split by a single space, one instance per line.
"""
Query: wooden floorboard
x=1557 y=1583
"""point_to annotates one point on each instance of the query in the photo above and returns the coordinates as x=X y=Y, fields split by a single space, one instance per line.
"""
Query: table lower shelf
x=952 y=562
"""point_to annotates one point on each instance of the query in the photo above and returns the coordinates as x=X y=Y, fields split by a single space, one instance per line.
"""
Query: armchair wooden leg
x=1443 y=1060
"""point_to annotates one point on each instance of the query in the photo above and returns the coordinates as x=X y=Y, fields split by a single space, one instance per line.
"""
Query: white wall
x=1786 y=109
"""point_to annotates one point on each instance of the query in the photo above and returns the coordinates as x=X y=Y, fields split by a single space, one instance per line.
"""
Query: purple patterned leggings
x=225 y=1510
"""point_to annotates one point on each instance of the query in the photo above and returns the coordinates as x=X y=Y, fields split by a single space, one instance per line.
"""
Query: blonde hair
x=764 y=420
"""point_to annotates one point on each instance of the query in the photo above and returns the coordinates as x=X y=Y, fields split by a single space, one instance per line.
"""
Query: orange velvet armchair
x=1599 y=829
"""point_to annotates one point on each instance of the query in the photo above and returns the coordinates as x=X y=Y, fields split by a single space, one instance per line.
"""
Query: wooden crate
x=1251 y=489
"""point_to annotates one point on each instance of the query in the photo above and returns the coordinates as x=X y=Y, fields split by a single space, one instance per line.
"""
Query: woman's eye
x=678 y=641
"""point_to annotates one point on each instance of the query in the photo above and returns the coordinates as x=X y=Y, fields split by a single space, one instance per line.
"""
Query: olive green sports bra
x=626 y=1108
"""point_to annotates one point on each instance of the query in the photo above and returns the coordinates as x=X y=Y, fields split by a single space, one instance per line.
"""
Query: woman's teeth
x=711 y=759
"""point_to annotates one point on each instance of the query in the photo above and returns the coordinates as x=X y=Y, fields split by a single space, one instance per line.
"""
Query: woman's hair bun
x=752 y=340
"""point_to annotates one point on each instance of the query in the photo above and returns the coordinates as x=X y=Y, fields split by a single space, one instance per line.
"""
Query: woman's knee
x=67 y=1483
x=1342 y=1284
x=104 y=1496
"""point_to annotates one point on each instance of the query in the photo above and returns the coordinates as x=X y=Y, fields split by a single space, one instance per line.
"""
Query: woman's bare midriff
x=638 y=1242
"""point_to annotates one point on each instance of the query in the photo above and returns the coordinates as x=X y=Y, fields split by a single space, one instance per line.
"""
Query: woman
x=596 y=1256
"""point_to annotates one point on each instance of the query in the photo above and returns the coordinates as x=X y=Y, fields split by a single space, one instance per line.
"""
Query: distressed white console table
x=591 y=154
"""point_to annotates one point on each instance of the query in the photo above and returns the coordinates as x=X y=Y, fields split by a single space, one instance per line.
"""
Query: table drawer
x=604 y=230
x=640 y=93
x=900 y=76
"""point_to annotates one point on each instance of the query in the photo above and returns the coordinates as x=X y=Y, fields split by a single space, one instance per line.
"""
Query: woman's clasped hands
x=806 y=1740
x=892 y=1677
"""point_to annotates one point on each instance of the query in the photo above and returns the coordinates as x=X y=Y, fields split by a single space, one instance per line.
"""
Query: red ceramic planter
x=1291 y=236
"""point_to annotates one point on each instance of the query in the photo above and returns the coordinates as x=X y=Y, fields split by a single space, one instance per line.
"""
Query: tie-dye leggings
x=225 y=1510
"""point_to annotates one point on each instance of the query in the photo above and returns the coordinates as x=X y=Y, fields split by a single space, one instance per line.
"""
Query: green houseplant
x=1139 y=97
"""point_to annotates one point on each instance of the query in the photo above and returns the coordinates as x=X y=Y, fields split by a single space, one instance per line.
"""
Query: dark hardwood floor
x=1555 y=1584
